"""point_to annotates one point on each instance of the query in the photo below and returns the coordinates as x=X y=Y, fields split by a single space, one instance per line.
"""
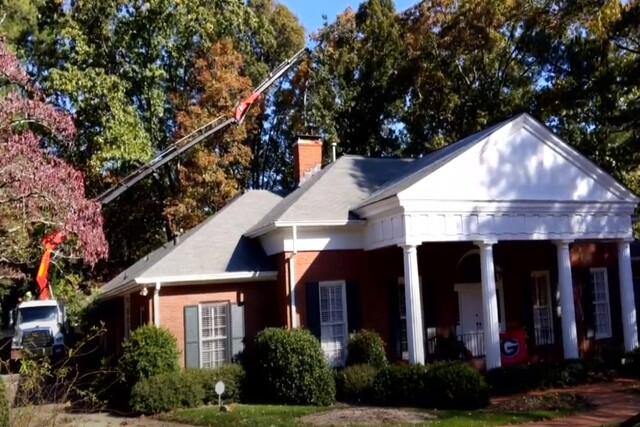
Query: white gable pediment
x=524 y=161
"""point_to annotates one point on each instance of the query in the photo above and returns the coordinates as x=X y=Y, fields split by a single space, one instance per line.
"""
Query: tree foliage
x=388 y=83
x=214 y=172
x=39 y=192
x=137 y=75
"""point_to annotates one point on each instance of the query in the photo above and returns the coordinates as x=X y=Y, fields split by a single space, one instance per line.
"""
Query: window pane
x=602 y=316
x=332 y=324
x=213 y=328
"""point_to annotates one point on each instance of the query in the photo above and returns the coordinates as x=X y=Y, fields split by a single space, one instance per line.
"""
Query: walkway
x=613 y=405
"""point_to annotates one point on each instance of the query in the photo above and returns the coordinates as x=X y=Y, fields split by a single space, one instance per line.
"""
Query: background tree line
x=136 y=75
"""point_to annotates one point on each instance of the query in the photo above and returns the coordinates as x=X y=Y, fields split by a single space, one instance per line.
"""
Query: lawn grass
x=286 y=416
x=244 y=415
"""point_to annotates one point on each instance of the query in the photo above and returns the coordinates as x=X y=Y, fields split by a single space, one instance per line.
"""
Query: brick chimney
x=307 y=157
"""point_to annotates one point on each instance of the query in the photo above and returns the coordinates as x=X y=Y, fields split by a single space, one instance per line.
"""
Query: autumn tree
x=214 y=172
x=39 y=192
x=117 y=65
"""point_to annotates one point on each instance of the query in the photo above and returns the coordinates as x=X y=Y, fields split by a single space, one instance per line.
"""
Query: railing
x=474 y=342
x=544 y=336
x=431 y=345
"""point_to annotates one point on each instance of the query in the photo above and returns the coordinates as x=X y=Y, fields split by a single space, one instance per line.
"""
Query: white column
x=490 y=322
x=567 y=310
x=156 y=305
x=415 y=338
x=629 y=321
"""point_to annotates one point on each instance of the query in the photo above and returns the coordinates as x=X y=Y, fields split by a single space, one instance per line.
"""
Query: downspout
x=292 y=276
x=156 y=305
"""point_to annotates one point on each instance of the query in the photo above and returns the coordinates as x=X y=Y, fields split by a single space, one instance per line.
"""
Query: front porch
x=528 y=299
x=515 y=184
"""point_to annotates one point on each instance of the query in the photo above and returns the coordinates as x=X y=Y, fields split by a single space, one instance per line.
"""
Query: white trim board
x=195 y=279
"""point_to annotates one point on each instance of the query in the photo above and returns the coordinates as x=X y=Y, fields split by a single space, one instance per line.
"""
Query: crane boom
x=200 y=134
x=56 y=237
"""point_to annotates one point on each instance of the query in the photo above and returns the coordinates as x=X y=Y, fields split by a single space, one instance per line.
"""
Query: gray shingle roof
x=215 y=246
x=353 y=181
x=330 y=194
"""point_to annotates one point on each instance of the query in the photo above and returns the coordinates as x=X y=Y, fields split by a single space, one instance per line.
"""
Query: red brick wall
x=307 y=153
x=260 y=302
x=375 y=270
x=141 y=308
x=583 y=257
x=267 y=303
x=326 y=265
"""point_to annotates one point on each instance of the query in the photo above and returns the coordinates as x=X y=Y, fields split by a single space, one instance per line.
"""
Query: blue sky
x=310 y=11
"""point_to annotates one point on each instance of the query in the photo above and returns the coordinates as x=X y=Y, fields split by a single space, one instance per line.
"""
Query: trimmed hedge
x=441 y=385
x=354 y=384
x=148 y=351
x=455 y=385
x=232 y=375
x=401 y=385
x=539 y=376
x=289 y=367
x=5 y=415
x=366 y=348
x=166 y=392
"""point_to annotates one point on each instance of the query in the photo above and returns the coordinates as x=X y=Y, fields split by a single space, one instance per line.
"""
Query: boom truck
x=39 y=325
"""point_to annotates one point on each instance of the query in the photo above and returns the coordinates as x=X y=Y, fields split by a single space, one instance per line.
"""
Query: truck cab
x=39 y=329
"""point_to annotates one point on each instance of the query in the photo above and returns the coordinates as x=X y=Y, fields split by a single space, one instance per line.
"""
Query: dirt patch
x=55 y=415
x=547 y=401
x=366 y=415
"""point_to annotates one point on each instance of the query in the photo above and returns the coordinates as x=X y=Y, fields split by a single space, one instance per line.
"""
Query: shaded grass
x=287 y=416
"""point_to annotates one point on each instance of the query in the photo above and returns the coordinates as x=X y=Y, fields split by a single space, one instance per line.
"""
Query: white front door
x=470 y=329
x=471 y=309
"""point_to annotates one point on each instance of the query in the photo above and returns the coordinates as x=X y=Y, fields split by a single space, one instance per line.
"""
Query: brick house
x=507 y=233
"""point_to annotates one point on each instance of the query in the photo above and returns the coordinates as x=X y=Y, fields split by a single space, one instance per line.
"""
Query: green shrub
x=510 y=379
x=166 y=392
x=611 y=356
x=631 y=366
x=148 y=351
x=450 y=348
x=401 y=385
x=455 y=385
x=543 y=375
x=366 y=348
x=232 y=375
x=354 y=384
x=288 y=366
x=5 y=415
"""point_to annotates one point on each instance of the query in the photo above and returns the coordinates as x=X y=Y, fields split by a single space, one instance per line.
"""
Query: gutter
x=292 y=276
x=194 y=279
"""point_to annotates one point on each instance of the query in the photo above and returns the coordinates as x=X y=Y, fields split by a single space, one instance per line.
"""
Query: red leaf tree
x=39 y=192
